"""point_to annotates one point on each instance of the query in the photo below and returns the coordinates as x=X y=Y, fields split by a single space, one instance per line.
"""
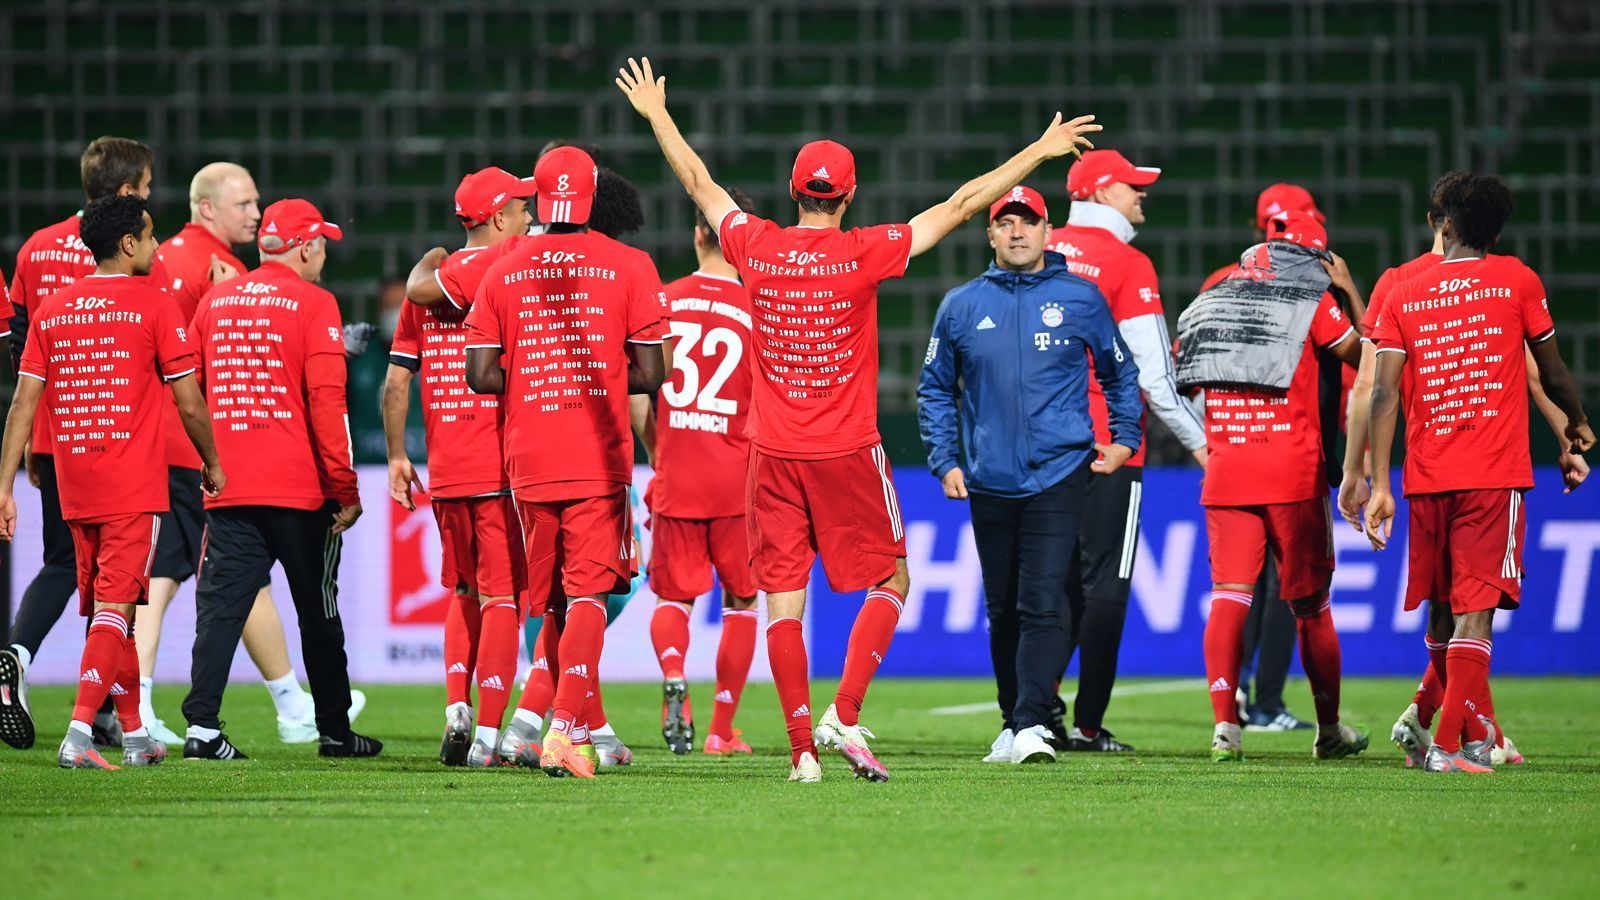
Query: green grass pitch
x=1162 y=822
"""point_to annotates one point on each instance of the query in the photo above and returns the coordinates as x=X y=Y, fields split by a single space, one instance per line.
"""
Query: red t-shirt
x=1127 y=279
x=814 y=303
x=1265 y=447
x=102 y=346
x=1219 y=275
x=186 y=269
x=1462 y=325
x=465 y=458
x=1391 y=277
x=284 y=441
x=561 y=308
x=701 y=448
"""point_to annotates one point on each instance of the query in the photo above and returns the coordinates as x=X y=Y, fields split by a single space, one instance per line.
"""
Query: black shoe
x=1103 y=742
x=16 y=723
x=216 y=748
x=1057 y=724
x=352 y=745
x=106 y=730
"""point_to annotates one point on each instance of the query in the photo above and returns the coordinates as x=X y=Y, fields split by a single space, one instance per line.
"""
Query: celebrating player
x=273 y=351
x=579 y=327
x=696 y=498
x=478 y=528
x=818 y=477
x=97 y=353
x=1459 y=328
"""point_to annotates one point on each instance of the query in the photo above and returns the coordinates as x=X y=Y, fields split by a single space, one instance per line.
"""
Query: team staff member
x=1107 y=203
x=49 y=261
x=1030 y=444
x=272 y=351
x=479 y=534
x=113 y=483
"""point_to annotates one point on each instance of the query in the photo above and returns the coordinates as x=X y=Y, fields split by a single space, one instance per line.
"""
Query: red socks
x=1319 y=654
x=669 y=633
x=1430 y=693
x=497 y=661
x=597 y=703
x=101 y=663
x=1224 y=646
x=734 y=654
x=1466 y=682
x=786 y=652
x=580 y=645
x=869 y=642
x=461 y=624
x=125 y=690
x=540 y=691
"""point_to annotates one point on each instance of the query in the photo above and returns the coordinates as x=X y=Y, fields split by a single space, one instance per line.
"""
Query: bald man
x=224 y=211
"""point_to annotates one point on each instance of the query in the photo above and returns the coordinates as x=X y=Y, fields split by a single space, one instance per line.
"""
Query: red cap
x=1023 y=196
x=826 y=161
x=1098 y=168
x=485 y=192
x=567 y=178
x=1282 y=198
x=290 y=222
x=1298 y=227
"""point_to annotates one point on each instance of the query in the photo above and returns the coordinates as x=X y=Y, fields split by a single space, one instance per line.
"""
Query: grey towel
x=1248 y=331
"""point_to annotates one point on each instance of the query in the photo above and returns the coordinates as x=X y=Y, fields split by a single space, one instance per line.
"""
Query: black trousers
x=46 y=596
x=1269 y=641
x=241 y=544
x=1098 y=583
x=1025 y=545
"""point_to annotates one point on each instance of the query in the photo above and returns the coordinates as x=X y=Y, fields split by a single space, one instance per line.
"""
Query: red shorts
x=1299 y=534
x=482 y=542
x=114 y=558
x=684 y=551
x=588 y=542
x=1466 y=549
x=844 y=508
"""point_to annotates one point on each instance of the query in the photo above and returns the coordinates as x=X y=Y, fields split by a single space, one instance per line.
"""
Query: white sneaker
x=304 y=731
x=1032 y=745
x=807 y=770
x=1000 y=750
x=1412 y=739
x=850 y=741
x=1508 y=755
x=160 y=732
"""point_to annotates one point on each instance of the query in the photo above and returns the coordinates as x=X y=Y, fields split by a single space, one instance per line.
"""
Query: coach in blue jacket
x=1010 y=349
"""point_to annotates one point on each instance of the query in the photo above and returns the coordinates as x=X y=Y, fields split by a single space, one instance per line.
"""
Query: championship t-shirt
x=1266 y=447
x=702 y=452
x=1391 y=277
x=1461 y=325
x=186 y=269
x=814 y=306
x=465 y=457
x=258 y=334
x=102 y=347
x=1127 y=279
x=562 y=308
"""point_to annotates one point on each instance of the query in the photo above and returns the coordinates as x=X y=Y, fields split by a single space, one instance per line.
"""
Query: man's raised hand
x=1062 y=138
x=645 y=91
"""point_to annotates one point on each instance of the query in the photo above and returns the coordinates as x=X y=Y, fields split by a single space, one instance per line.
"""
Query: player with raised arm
x=1459 y=329
x=479 y=533
x=97 y=354
x=819 y=481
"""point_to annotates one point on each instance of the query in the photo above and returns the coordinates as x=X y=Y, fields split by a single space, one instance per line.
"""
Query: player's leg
x=1238 y=542
x=234 y=563
x=736 y=647
x=995 y=522
x=105 y=646
x=1412 y=731
x=521 y=742
x=1274 y=653
x=1112 y=504
x=487 y=530
x=177 y=554
x=609 y=749
x=41 y=606
x=680 y=571
x=463 y=618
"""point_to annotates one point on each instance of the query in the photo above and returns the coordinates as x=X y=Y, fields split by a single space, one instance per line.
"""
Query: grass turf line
x=1162 y=822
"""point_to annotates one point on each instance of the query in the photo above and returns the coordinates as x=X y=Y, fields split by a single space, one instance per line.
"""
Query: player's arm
x=1556 y=379
x=1353 y=488
x=1385 y=410
x=396 y=406
x=647 y=367
x=197 y=425
x=20 y=292
x=484 y=374
x=642 y=416
x=19 y=427
x=648 y=94
x=938 y=391
x=422 y=285
x=1345 y=283
x=1574 y=468
x=1146 y=338
x=930 y=226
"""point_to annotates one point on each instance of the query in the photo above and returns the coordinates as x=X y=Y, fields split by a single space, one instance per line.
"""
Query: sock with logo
x=669 y=633
x=786 y=653
x=1319 y=654
x=497 y=660
x=1467 y=667
x=597 y=705
x=1223 y=649
x=582 y=641
x=1430 y=693
x=100 y=664
x=462 y=622
x=291 y=700
x=735 y=651
x=540 y=691
x=869 y=643
x=125 y=690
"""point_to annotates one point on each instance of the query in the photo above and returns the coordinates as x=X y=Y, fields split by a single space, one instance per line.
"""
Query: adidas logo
x=457 y=669
x=821 y=172
x=493 y=683
x=724 y=696
x=986 y=324
x=541 y=664
x=92 y=676
x=118 y=690
x=272 y=228
x=580 y=670
x=804 y=710
x=1220 y=685
x=670 y=651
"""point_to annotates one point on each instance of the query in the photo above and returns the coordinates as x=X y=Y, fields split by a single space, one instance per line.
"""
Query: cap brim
x=567 y=212
x=331 y=231
x=1141 y=176
x=1006 y=207
x=525 y=188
